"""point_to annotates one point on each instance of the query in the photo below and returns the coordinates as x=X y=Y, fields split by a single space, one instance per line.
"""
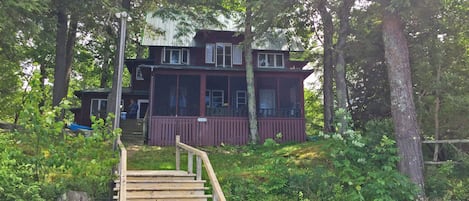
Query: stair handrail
x=122 y=170
x=201 y=157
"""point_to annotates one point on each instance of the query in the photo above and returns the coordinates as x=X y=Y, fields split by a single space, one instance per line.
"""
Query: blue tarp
x=76 y=127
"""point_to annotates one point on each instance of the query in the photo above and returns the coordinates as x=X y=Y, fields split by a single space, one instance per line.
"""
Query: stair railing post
x=190 y=161
x=178 y=153
x=199 y=168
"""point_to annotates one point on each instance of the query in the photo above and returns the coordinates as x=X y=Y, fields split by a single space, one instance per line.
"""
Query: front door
x=142 y=108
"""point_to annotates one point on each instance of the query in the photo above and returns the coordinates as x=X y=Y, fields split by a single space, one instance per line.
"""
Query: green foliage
x=448 y=181
x=313 y=112
x=16 y=175
x=360 y=170
x=43 y=160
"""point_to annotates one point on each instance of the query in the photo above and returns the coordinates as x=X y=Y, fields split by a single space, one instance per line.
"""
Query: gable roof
x=169 y=35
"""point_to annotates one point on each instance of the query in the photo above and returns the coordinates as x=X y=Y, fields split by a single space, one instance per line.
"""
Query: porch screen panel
x=189 y=92
x=238 y=96
x=290 y=100
x=165 y=95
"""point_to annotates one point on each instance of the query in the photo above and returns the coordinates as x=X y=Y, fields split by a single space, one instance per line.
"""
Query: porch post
x=277 y=94
x=302 y=97
x=152 y=102
x=203 y=88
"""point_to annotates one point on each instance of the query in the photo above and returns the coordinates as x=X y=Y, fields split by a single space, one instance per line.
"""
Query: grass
x=241 y=159
x=244 y=172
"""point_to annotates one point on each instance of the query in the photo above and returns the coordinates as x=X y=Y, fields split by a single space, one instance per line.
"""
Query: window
x=214 y=98
x=270 y=60
x=138 y=74
x=237 y=55
x=175 y=56
x=241 y=98
x=223 y=54
x=98 y=108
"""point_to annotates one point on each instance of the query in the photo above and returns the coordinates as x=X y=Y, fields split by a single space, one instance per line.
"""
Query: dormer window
x=270 y=60
x=175 y=56
x=223 y=54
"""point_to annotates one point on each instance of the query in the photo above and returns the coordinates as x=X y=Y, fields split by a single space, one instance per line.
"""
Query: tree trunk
x=251 y=92
x=340 y=80
x=60 y=71
x=71 y=39
x=402 y=104
x=328 y=27
x=105 y=68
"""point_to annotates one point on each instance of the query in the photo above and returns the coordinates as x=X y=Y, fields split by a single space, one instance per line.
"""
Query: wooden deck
x=217 y=130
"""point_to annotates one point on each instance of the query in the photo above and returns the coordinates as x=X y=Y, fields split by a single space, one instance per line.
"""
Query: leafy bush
x=16 y=177
x=448 y=181
x=45 y=160
x=361 y=169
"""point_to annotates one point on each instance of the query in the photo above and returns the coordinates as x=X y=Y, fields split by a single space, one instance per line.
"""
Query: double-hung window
x=175 y=56
x=98 y=108
x=223 y=54
x=270 y=60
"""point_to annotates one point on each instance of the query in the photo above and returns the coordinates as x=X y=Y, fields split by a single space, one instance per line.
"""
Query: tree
x=248 y=39
x=65 y=42
x=341 y=85
x=402 y=104
x=328 y=66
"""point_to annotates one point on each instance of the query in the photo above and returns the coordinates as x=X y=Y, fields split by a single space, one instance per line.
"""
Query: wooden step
x=169 y=198
x=163 y=183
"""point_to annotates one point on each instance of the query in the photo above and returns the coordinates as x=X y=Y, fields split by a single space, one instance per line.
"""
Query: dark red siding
x=218 y=130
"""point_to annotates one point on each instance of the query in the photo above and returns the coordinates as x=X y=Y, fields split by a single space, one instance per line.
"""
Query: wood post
x=199 y=168
x=178 y=153
x=190 y=161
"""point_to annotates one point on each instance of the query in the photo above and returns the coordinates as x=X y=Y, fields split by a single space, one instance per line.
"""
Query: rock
x=74 y=196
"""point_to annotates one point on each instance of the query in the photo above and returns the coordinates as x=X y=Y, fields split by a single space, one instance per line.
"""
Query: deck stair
x=132 y=131
x=167 y=185
x=163 y=185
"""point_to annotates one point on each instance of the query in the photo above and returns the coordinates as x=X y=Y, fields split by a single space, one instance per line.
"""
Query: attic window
x=270 y=60
x=175 y=56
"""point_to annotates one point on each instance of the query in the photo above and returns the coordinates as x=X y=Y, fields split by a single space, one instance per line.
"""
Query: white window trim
x=180 y=50
x=138 y=74
x=224 y=45
x=238 y=102
x=275 y=60
x=237 y=51
x=212 y=97
x=99 y=104
x=139 y=102
x=210 y=53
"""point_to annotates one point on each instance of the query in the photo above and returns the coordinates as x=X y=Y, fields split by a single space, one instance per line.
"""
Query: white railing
x=122 y=170
x=201 y=156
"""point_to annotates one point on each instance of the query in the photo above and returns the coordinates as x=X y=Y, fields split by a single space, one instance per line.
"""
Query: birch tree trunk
x=402 y=104
x=340 y=80
x=251 y=92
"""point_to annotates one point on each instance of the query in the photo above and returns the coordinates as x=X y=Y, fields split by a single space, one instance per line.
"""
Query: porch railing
x=122 y=170
x=243 y=112
x=201 y=156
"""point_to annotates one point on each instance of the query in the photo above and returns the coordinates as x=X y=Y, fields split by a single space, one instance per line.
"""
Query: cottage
x=195 y=86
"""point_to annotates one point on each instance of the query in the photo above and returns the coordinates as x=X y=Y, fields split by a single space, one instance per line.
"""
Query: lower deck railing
x=201 y=157
x=226 y=130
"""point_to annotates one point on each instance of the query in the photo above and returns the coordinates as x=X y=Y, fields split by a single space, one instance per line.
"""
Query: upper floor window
x=270 y=60
x=175 y=56
x=223 y=54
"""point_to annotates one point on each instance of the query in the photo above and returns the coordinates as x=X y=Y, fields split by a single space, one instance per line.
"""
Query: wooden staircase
x=132 y=131
x=163 y=185
x=167 y=185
